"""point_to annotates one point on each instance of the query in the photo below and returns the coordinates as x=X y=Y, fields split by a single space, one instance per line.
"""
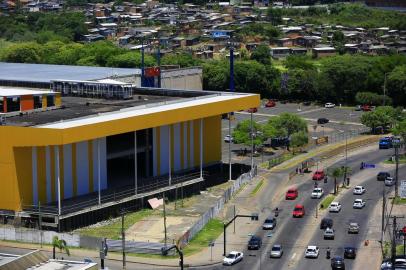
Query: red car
x=270 y=103
x=318 y=175
x=366 y=108
x=299 y=211
x=291 y=194
x=252 y=110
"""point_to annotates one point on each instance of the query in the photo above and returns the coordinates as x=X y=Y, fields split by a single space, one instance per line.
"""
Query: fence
x=215 y=210
x=137 y=247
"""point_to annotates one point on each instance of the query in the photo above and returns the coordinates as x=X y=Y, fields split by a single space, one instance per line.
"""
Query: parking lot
x=344 y=122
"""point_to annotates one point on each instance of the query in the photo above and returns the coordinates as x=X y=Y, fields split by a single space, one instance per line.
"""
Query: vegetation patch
x=111 y=229
x=208 y=234
x=327 y=200
x=257 y=187
x=399 y=200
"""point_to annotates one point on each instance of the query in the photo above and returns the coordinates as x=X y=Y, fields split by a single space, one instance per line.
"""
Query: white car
x=387 y=264
x=329 y=105
x=359 y=190
x=228 y=139
x=358 y=204
x=276 y=251
x=312 y=252
x=233 y=257
x=334 y=207
x=389 y=181
x=317 y=193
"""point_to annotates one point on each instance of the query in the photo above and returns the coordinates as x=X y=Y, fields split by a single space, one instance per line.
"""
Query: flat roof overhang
x=131 y=119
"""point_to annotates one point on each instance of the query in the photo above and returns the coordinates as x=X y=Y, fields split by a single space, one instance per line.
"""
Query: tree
x=298 y=139
x=397 y=85
x=335 y=173
x=383 y=116
x=261 y=54
x=242 y=133
x=400 y=129
x=274 y=15
x=372 y=98
x=23 y=53
x=287 y=124
x=60 y=244
x=182 y=59
x=299 y=62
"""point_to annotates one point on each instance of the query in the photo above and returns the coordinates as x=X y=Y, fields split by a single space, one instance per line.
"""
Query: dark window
x=1 y=105
x=37 y=102
x=50 y=100
x=13 y=104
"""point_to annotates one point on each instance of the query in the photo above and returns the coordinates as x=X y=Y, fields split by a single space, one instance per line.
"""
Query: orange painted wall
x=27 y=103
x=5 y=104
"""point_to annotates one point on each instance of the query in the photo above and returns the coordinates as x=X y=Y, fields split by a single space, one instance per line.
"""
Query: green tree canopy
x=383 y=116
x=285 y=124
x=242 y=133
x=261 y=54
x=299 y=139
x=397 y=85
x=372 y=98
x=182 y=59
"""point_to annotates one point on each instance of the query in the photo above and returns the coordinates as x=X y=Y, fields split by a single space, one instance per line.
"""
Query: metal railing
x=107 y=196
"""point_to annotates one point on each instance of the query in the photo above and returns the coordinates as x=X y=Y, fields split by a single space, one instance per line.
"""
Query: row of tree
x=285 y=125
x=102 y=53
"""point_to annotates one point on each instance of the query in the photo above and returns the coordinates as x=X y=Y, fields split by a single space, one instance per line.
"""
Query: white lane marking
x=293 y=256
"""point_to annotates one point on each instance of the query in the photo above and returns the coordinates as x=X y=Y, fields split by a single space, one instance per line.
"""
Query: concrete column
x=98 y=171
x=147 y=162
x=201 y=148
x=170 y=155
x=58 y=179
x=135 y=164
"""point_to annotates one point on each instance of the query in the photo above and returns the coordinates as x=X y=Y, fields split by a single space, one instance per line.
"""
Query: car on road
x=307 y=103
x=291 y=194
x=298 y=211
x=350 y=252
x=403 y=230
x=400 y=263
x=270 y=103
x=366 y=108
x=269 y=223
x=382 y=176
x=228 y=139
x=358 y=204
x=357 y=108
x=318 y=175
x=255 y=242
x=88 y=260
x=326 y=223
x=317 y=193
x=359 y=190
x=329 y=233
x=337 y=262
x=252 y=110
x=334 y=207
x=385 y=143
x=276 y=251
x=329 y=105
x=312 y=252
x=389 y=181
x=353 y=227
x=322 y=121
x=233 y=257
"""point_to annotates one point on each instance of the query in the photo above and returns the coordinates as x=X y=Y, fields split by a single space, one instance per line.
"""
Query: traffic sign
x=403 y=189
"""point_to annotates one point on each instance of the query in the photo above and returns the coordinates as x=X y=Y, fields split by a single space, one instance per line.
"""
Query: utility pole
x=383 y=212
x=384 y=89
x=225 y=225
x=40 y=221
x=229 y=146
x=397 y=169
x=142 y=63
x=393 y=253
x=123 y=237
x=159 y=62
x=252 y=144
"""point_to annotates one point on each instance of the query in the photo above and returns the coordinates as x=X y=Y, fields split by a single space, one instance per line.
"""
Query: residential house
x=323 y=52
x=280 y=52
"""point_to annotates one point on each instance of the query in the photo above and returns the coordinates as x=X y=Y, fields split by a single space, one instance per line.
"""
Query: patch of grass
x=398 y=200
x=112 y=230
x=402 y=160
x=399 y=250
x=209 y=233
x=327 y=200
x=257 y=188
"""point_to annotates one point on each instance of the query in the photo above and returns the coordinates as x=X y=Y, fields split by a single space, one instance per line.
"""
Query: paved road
x=290 y=231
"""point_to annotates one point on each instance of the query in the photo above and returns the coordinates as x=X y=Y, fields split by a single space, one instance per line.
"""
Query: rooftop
x=13 y=91
x=46 y=73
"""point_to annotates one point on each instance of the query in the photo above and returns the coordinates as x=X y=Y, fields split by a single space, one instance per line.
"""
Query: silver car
x=276 y=251
x=353 y=227
x=329 y=233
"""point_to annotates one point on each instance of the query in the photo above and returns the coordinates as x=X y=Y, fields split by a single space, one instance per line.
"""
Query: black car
x=307 y=103
x=255 y=242
x=326 y=223
x=382 y=176
x=337 y=262
x=322 y=121
x=350 y=253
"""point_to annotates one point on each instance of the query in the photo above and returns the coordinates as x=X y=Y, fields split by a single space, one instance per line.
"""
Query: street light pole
x=383 y=212
x=252 y=143
x=229 y=146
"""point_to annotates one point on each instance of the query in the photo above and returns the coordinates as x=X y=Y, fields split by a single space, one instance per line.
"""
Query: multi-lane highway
x=296 y=233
